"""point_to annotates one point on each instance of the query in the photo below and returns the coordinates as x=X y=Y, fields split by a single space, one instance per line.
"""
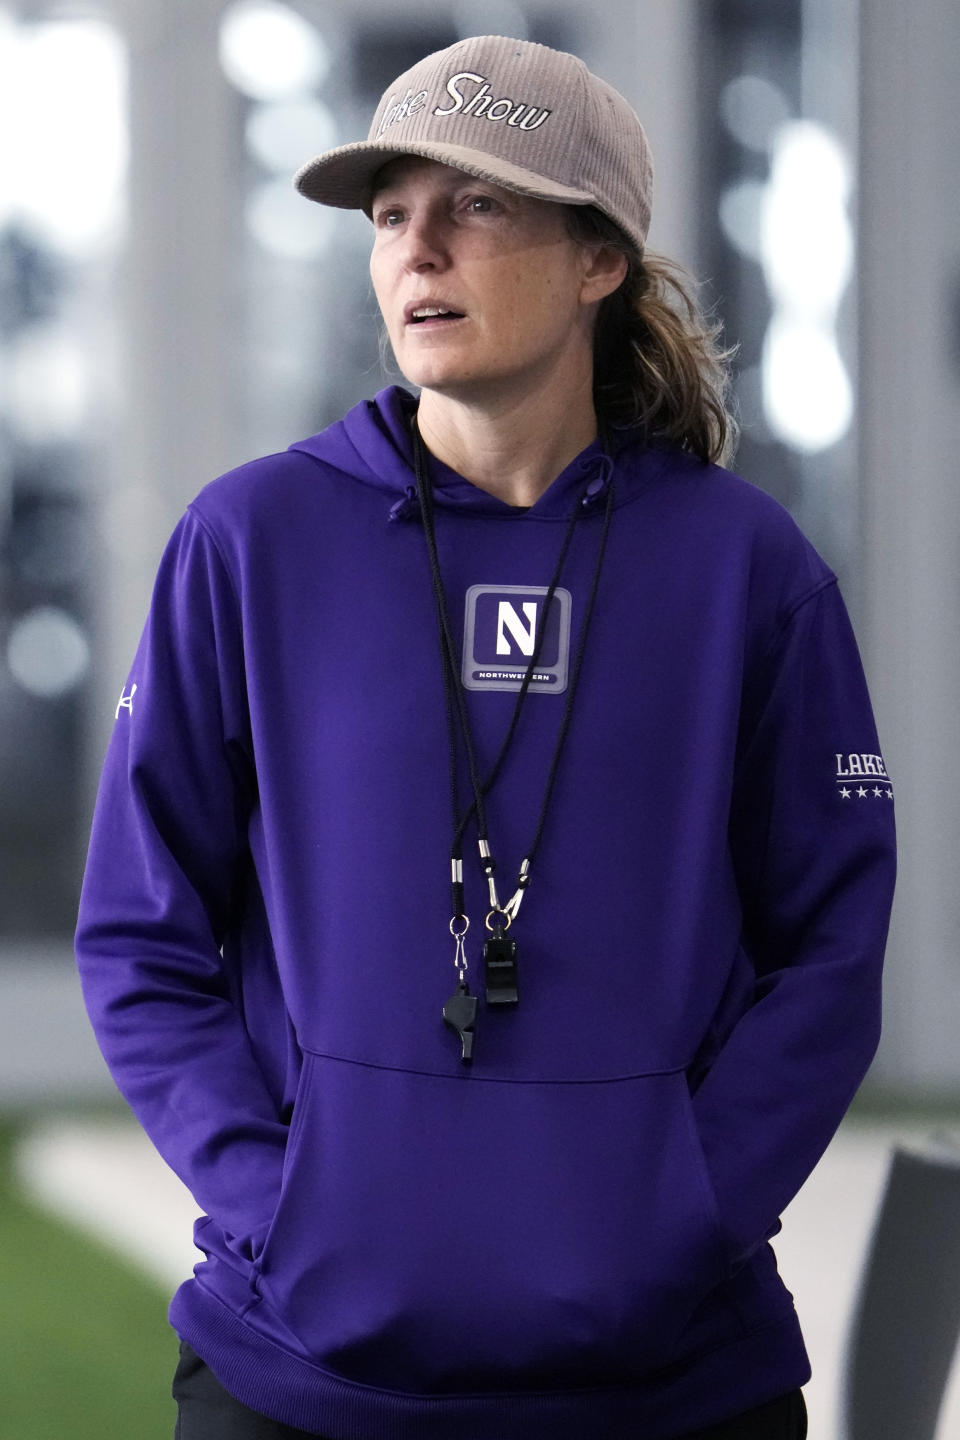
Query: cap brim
x=344 y=177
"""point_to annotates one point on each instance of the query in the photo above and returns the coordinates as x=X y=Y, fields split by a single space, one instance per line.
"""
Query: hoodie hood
x=373 y=444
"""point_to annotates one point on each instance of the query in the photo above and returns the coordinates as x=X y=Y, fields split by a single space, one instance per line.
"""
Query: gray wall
x=910 y=503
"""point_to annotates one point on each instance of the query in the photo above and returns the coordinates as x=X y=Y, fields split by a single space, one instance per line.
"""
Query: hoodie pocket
x=440 y=1234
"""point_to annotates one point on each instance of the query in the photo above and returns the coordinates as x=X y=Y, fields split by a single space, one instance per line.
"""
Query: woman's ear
x=604 y=270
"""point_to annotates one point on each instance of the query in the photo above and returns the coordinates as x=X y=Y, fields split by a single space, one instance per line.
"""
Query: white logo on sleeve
x=862 y=777
x=125 y=702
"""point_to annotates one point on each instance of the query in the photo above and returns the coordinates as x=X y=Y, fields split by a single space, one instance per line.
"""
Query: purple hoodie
x=568 y=1236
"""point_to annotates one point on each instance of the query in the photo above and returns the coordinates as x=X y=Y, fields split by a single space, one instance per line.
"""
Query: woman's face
x=481 y=289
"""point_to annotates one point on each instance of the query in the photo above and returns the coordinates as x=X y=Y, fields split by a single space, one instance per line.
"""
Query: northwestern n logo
x=502 y=626
x=523 y=632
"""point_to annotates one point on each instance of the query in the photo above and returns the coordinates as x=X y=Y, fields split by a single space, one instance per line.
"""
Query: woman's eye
x=480 y=204
x=390 y=218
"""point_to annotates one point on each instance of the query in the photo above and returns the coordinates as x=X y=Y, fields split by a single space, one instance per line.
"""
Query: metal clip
x=513 y=904
x=460 y=954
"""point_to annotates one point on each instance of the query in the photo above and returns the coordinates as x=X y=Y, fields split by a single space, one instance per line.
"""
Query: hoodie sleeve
x=167 y=852
x=814 y=856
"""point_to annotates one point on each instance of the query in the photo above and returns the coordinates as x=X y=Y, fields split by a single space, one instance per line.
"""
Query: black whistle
x=500 y=969
x=460 y=1013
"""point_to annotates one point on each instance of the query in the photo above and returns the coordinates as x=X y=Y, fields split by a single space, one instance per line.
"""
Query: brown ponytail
x=658 y=361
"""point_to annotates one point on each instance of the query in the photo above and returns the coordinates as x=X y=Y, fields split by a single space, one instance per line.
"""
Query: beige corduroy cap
x=532 y=119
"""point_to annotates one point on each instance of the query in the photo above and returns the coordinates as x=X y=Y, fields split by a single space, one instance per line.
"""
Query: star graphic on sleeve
x=861 y=792
x=889 y=794
x=845 y=793
x=877 y=792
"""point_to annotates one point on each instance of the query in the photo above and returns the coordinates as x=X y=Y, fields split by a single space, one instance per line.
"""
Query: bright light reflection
x=807 y=255
x=8 y=45
x=63 y=96
x=806 y=236
x=807 y=397
x=48 y=384
x=284 y=135
x=280 y=221
x=269 y=51
x=47 y=652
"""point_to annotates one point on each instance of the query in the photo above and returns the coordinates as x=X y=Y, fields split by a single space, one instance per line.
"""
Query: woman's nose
x=425 y=245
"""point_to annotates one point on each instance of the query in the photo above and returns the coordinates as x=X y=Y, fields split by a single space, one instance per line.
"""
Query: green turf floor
x=85 y=1349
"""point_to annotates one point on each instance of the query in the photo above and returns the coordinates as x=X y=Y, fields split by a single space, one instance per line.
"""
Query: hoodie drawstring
x=600 y=481
x=407 y=507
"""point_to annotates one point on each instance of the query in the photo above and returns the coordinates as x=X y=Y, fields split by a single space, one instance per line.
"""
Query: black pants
x=207 y=1412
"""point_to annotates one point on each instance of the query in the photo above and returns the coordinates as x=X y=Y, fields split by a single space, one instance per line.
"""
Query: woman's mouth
x=424 y=313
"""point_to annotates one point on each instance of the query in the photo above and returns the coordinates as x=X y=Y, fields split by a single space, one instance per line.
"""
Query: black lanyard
x=500 y=949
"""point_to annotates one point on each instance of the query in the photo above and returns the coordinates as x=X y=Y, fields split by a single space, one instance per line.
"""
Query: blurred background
x=169 y=308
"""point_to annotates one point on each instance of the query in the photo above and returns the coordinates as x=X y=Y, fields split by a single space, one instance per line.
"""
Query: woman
x=476 y=1163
